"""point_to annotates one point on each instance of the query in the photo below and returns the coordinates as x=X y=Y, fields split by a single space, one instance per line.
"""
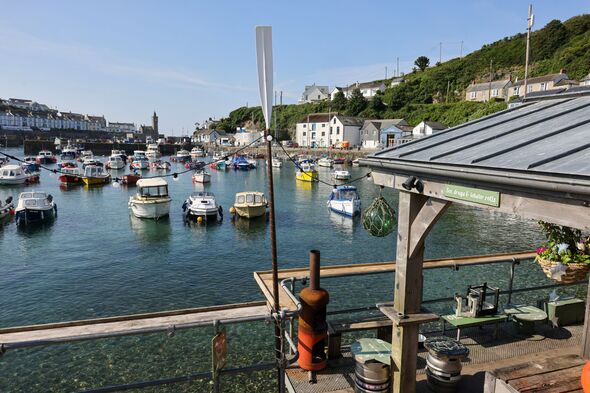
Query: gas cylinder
x=313 y=329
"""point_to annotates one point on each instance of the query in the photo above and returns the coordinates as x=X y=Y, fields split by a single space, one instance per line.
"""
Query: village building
x=538 y=84
x=368 y=89
x=483 y=92
x=425 y=128
x=372 y=132
x=245 y=137
x=314 y=93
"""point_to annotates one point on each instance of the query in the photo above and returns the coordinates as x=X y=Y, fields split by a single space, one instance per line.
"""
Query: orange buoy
x=313 y=329
x=586 y=377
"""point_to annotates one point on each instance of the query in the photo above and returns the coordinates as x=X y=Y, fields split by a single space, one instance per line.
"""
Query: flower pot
x=575 y=271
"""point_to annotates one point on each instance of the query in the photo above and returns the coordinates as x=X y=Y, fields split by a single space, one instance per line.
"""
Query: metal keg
x=372 y=371
x=443 y=363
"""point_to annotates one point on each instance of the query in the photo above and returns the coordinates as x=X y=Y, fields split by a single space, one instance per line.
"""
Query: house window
x=323 y=133
x=323 y=125
x=543 y=86
x=304 y=133
x=334 y=120
x=473 y=94
x=313 y=127
x=318 y=96
x=495 y=93
x=305 y=126
x=337 y=130
x=330 y=130
x=516 y=91
x=529 y=88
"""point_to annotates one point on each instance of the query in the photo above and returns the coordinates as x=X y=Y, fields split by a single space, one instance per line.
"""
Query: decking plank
x=560 y=381
x=538 y=367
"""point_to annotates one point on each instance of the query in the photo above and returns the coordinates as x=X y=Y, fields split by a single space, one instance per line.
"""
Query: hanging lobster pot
x=379 y=218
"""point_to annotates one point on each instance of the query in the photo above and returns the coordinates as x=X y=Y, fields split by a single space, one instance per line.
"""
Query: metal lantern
x=379 y=218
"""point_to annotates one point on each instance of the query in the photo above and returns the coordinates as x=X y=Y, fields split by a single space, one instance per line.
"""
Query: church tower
x=155 y=123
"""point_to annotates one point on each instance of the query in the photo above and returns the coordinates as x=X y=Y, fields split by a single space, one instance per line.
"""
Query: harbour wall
x=32 y=147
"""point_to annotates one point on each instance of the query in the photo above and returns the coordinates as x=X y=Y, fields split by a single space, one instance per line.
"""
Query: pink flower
x=541 y=250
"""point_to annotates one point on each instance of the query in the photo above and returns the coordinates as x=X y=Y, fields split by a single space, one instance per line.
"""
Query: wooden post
x=417 y=215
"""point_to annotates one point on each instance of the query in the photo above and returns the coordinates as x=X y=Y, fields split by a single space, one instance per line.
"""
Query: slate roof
x=538 y=79
x=351 y=121
x=548 y=137
x=486 y=85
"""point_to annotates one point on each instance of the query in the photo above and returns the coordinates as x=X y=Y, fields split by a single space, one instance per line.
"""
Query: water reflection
x=151 y=231
x=344 y=225
x=250 y=226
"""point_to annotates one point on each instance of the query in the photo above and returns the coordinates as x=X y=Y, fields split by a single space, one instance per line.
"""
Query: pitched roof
x=323 y=89
x=318 y=117
x=539 y=79
x=435 y=125
x=543 y=137
x=351 y=121
x=384 y=123
x=567 y=82
x=485 y=86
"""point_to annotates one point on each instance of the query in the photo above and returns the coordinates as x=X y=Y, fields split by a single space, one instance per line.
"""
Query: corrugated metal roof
x=550 y=136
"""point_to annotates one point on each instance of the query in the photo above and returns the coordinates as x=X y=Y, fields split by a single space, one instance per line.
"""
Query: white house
x=244 y=137
x=427 y=128
x=313 y=130
x=345 y=129
x=314 y=93
x=121 y=127
x=368 y=89
x=585 y=81
x=206 y=136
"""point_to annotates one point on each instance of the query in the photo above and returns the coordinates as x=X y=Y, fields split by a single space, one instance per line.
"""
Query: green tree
x=546 y=41
x=422 y=62
x=376 y=103
x=356 y=103
x=339 y=102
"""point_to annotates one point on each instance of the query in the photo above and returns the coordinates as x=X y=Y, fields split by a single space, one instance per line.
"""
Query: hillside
x=436 y=93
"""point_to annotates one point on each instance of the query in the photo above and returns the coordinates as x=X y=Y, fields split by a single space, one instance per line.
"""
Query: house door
x=390 y=140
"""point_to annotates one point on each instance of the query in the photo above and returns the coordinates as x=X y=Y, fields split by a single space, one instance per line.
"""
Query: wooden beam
x=428 y=215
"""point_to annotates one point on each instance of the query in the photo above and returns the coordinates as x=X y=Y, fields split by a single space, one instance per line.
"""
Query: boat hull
x=309 y=176
x=250 y=211
x=93 y=181
x=70 y=179
x=13 y=181
x=202 y=178
x=206 y=214
x=150 y=209
x=345 y=208
x=35 y=216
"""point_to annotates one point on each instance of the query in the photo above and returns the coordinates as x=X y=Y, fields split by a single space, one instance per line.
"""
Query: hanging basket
x=379 y=218
x=574 y=272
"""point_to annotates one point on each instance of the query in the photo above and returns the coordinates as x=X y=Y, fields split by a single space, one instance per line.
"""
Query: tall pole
x=530 y=22
x=265 y=81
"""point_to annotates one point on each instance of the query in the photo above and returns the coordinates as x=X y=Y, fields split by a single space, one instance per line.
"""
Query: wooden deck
x=264 y=278
x=34 y=335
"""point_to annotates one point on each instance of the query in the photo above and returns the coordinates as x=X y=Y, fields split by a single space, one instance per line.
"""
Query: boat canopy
x=11 y=170
x=154 y=182
x=344 y=193
x=250 y=197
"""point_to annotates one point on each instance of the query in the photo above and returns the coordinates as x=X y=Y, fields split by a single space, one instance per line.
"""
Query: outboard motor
x=50 y=198
x=9 y=200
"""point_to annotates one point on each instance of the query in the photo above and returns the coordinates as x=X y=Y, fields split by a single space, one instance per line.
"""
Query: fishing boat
x=68 y=155
x=152 y=152
x=201 y=176
x=95 y=175
x=139 y=161
x=45 y=157
x=240 y=162
x=71 y=175
x=341 y=175
x=91 y=162
x=250 y=204
x=6 y=207
x=345 y=200
x=204 y=205
x=219 y=156
x=306 y=171
x=86 y=155
x=120 y=153
x=30 y=160
x=115 y=162
x=219 y=165
x=183 y=155
x=15 y=174
x=197 y=152
x=152 y=199
x=160 y=165
x=131 y=179
x=194 y=165
x=34 y=207
x=326 y=162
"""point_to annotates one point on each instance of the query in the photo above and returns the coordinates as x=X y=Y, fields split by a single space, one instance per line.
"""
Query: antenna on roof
x=530 y=22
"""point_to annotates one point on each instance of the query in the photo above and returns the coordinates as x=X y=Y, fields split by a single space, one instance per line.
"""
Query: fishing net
x=379 y=218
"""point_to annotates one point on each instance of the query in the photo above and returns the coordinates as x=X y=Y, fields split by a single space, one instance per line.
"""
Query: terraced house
x=483 y=92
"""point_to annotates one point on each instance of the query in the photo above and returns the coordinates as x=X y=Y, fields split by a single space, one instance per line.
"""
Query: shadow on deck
x=486 y=354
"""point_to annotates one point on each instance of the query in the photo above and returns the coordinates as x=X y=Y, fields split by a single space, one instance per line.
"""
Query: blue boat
x=240 y=162
x=345 y=200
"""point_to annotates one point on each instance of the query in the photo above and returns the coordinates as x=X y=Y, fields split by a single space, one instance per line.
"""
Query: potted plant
x=565 y=257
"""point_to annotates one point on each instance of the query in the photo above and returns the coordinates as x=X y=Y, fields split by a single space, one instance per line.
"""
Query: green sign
x=475 y=195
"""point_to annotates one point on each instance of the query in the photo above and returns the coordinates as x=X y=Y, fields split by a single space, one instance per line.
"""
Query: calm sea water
x=96 y=260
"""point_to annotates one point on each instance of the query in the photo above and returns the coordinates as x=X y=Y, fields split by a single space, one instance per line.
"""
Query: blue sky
x=190 y=60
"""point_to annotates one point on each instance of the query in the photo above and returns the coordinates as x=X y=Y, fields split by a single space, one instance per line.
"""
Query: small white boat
x=160 y=165
x=345 y=200
x=276 y=162
x=326 y=162
x=356 y=162
x=197 y=152
x=152 y=152
x=6 y=207
x=115 y=162
x=183 y=155
x=86 y=155
x=120 y=153
x=220 y=155
x=15 y=174
x=252 y=162
x=202 y=204
x=45 y=157
x=91 y=162
x=341 y=175
x=140 y=161
x=201 y=176
x=152 y=199
x=34 y=207
x=250 y=204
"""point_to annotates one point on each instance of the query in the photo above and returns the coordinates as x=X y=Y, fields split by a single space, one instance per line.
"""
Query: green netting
x=379 y=218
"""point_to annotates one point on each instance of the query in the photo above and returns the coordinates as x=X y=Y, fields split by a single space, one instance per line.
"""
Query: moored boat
x=197 y=152
x=115 y=162
x=15 y=174
x=120 y=153
x=277 y=162
x=160 y=165
x=183 y=155
x=153 y=152
x=345 y=200
x=204 y=205
x=6 y=207
x=326 y=162
x=34 y=207
x=240 y=162
x=91 y=162
x=306 y=171
x=131 y=179
x=201 y=176
x=86 y=155
x=71 y=175
x=341 y=175
x=339 y=160
x=140 y=161
x=250 y=204
x=95 y=175
x=45 y=157
x=152 y=199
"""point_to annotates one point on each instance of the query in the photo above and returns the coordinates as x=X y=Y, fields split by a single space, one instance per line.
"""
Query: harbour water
x=96 y=260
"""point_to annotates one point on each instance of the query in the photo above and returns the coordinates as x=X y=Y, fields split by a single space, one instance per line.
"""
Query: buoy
x=232 y=210
x=200 y=220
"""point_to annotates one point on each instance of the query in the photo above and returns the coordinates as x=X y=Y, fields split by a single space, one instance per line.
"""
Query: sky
x=192 y=60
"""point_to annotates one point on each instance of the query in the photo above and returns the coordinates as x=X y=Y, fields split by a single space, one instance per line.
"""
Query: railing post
x=292 y=320
x=511 y=282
